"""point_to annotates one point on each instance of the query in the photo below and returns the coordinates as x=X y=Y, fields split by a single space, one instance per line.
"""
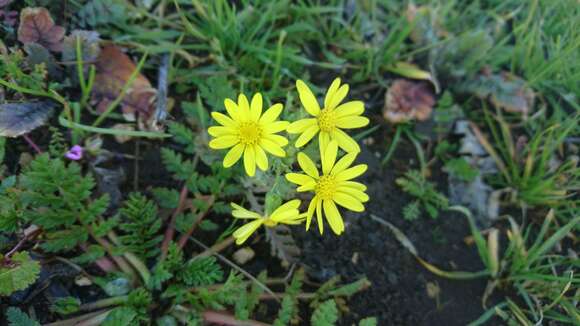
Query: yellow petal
x=234 y=155
x=307 y=165
x=256 y=107
x=261 y=158
x=323 y=140
x=271 y=114
x=352 y=172
x=345 y=141
x=307 y=98
x=351 y=122
x=331 y=91
x=329 y=157
x=348 y=202
x=223 y=119
x=307 y=187
x=343 y=163
x=244 y=106
x=243 y=233
x=279 y=140
x=350 y=108
x=333 y=217
x=310 y=212
x=301 y=125
x=288 y=211
x=218 y=131
x=353 y=184
x=299 y=178
x=359 y=195
x=338 y=97
x=319 y=217
x=240 y=212
x=250 y=160
x=233 y=109
x=224 y=142
x=272 y=147
x=306 y=136
x=274 y=127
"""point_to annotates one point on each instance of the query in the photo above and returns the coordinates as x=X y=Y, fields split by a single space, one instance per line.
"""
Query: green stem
x=123 y=92
x=393 y=145
x=419 y=149
x=110 y=131
x=104 y=303
x=133 y=260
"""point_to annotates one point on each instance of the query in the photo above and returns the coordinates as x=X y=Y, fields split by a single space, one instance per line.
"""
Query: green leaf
x=166 y=198
x=121 y=316
x=201 y=272
x=369 y=321
x=17 y=272
x=16 y=317
x=325 y=315
x=66 y=305
x=141 y=223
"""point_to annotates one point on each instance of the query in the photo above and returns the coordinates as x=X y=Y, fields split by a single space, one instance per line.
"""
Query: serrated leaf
x=16 y=317
x=17 y=272
x=325 y=315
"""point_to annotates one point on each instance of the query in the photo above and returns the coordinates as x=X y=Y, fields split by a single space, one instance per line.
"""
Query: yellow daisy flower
x=333 y=187
x=285 y=214
x=249 y=132
x=329 y=121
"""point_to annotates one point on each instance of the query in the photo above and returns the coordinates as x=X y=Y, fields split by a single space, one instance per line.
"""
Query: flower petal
x=250 y=160
x=350 y=108
x=306 y=136
x=348 y=202
x=310 y=211
x=244 y=106
x=234 y=155
x=271 y=114
x=233 y=110
x=319 y=216
x=328 y=157
x=331 y=91
x=240 y=212
x=261 y=158
x=353 y=184
x=307 y=187
x=359 y=195
x=224 y=142
x=274 y=127
x=351 y=122
x=333 y=217
x=243 y=233
x=337 y=97
x=307 y=165
x=307 y=98
x=343 y=163
x=323 y=140
x=272 y=147
x=256 y=107
x=352 y=172
x=223 y=119
x=345 y=141
x=217 y=131
x=277 y=139
x=301 y=125
x=286 y=211
x=299 y=178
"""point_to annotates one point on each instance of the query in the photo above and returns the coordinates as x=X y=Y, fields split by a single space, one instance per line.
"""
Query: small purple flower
x=75 y=153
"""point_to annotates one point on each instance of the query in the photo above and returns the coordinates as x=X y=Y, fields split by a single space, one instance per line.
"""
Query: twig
x=20 y=243
x=78 y=319
x=170 y=231
x=32 y=144
x=104 y=303
x=200 y=216
x=222 y=318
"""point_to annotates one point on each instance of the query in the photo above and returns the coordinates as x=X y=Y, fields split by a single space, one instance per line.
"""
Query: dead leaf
x=38 y=54
x=36 y=26
x=90 y=48
x=243 y=255
x=20 y=118
x=407 y=101
x=114 y=68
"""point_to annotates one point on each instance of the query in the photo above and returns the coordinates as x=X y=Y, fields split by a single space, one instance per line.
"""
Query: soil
x=398 y=294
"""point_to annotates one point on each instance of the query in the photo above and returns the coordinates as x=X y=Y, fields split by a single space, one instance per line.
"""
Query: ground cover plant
x=340 y=162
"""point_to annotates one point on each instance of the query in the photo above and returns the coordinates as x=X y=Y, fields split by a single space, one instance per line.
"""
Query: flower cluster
x=246 y=131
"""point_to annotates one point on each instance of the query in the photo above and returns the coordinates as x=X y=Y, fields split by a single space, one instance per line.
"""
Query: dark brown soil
x=398 y=295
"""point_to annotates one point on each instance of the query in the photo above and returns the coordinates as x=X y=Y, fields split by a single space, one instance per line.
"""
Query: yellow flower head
x=329 y=121
x=333 y=187
x=249 y=132
x=285 y=214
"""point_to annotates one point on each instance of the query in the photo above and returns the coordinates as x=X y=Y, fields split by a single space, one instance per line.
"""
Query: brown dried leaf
x=17 y=119
x=36 y=26
x=114 y=68
x=406 y=101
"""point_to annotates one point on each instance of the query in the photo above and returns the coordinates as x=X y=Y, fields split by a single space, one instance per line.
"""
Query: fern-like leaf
x=17 y=317
x=141 y=224
x=325 y=315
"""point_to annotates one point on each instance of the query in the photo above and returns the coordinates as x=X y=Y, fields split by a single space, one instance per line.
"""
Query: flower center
x=326 y=120
x=326 y=187
x=250 y=133
x=269 y=222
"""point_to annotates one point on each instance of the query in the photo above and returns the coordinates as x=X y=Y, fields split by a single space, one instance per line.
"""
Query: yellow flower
x=285 y=214
x=333 y=187
x=249 y=132
x=329 y=121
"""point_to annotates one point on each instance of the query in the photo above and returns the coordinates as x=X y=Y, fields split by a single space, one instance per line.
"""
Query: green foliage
x=289 y=307
x=121 y=316
x=201 y=272
x=325 y=315
x=141 y=224
x=430 y=199
x=174 y=163
x=57 y=145
x=17 y=272
x=66 y=305
x=102 y=12
x=16 y=317
x=460 y=168
x=369 y=321
x=166 y=198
